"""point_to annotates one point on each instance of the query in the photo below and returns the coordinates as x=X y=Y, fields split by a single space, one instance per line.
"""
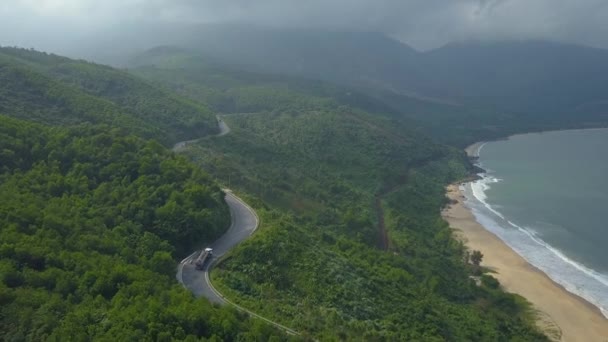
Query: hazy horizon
x=73 y=27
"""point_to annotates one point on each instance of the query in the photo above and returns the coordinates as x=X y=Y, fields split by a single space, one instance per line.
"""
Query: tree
x=476 y=258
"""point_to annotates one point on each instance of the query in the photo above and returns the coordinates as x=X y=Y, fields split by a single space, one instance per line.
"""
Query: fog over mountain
x=63 y=25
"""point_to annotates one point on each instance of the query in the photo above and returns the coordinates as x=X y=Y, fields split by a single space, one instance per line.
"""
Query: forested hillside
x=351 y=243
x=230 y=89
x=59 y=91
x=320 y=264
x=535 y=78
x=227 y=89
x=459 y=93
x=348 y=190
x=92 y=222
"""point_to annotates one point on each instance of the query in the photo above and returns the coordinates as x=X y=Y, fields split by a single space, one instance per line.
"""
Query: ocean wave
x=572 y=275
x=479 y=189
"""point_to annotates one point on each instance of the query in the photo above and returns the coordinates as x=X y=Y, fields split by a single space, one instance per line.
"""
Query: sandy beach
x=473 y=150
x=562 y=315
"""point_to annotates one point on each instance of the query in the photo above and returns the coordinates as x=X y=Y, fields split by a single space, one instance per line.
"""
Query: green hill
x=57 y=90
x=459 y=93
x=330 y=186
x=532 y=78
x=91 y=224
x=348 y=190
x=228 y=89
x=352 y=245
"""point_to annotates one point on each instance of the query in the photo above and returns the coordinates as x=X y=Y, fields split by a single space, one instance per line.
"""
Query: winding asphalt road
x=224 y=129
x=244 y=222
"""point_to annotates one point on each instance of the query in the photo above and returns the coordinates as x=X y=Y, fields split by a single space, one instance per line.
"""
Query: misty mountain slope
x=351 y=57
x=550 y=82
x=229 y=89
x=530 y=76
x=360 y=58
x=166 y=115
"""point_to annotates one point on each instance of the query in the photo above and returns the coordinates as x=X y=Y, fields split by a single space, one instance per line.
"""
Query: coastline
x=562 y=315
x=473 y=149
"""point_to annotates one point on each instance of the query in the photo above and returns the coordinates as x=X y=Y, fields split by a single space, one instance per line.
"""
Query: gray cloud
x=55 y=24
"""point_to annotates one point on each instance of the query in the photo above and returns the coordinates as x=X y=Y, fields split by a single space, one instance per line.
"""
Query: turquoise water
x=546 y=196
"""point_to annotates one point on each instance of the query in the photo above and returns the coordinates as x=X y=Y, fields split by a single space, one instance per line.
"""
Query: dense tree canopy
x=335 y=175
x=316 y=266
x=93 y=215
x=60 y=91
x=91 y=223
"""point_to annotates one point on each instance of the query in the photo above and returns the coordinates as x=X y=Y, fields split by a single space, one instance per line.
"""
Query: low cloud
x=56 y=24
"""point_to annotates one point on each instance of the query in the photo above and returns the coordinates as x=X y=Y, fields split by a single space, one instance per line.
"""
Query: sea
x=546 y=196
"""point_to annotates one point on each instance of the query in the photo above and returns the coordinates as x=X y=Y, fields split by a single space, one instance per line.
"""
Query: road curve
x=244 y=222
x=223 y=127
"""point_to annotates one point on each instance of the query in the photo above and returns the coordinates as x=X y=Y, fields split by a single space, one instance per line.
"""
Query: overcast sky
x=56 y=24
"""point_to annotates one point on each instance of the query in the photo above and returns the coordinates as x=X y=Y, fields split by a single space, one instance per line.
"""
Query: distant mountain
x=227 y=89
x=353 y=57
x=530 y=76
x=544 y=81
x=453 y=120
x=337 y=56
x=523 y=77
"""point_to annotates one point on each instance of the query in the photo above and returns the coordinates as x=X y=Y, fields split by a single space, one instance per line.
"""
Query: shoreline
x=473 y=149
x=562 y=315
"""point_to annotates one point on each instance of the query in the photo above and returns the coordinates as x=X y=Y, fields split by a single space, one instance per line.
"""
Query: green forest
x=96 y=211
x=59 y=91
x=319 y=260
x=92 y=223
x=230 y=89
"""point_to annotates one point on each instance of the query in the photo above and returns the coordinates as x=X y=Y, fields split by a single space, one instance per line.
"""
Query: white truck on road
x=203 y=258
